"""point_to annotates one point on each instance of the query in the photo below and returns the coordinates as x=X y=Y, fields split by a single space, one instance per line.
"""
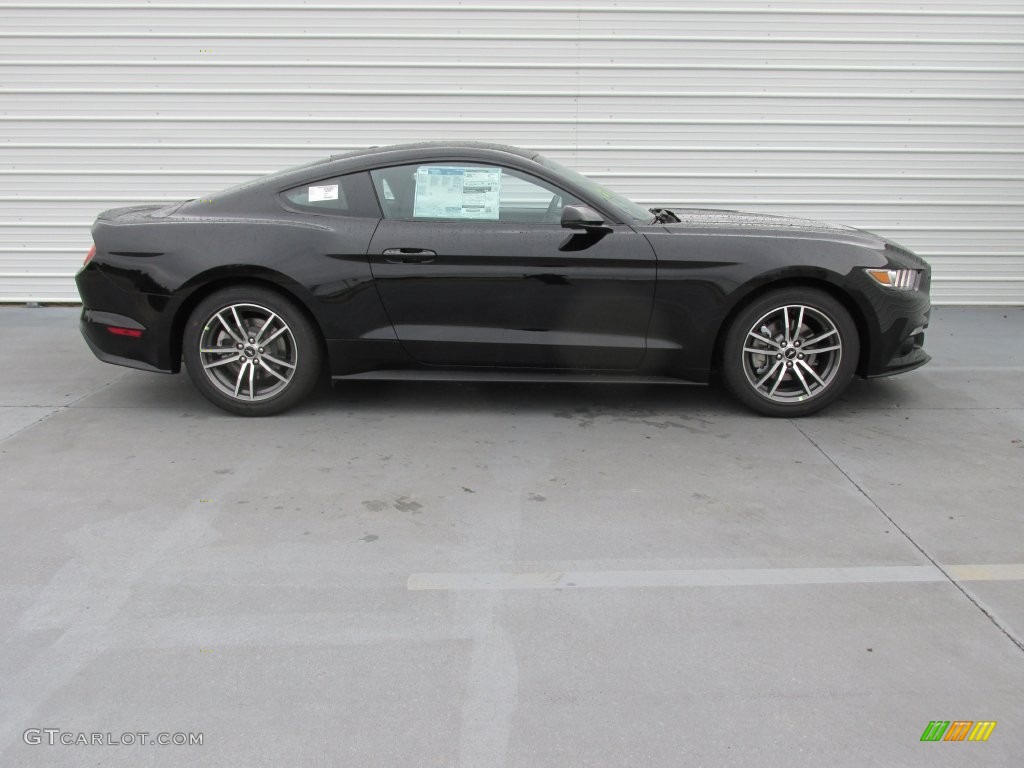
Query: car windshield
x=624 y=204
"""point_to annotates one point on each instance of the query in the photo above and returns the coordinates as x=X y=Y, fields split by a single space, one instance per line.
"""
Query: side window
x=350 y=195
x=467 y=192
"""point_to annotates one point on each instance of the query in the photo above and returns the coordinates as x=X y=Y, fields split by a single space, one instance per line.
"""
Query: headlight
x=900 y=279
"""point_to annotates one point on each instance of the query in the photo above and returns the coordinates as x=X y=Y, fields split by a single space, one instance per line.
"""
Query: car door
x=474 y=269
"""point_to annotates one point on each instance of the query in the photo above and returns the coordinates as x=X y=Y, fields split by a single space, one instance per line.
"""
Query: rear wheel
x=791 y=352
x=250 y=351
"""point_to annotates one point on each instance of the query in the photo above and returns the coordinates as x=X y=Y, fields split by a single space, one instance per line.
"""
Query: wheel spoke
x=264 y=327
x=803 y=381
x=782 y=375
x=275 y=361
x=759 y=351
x=764 y=339
x=223 y=361
x=227 y=328
x=252 y=374
x=785 y=323
x=238 y=323
x=274 y=335
x=811 y=371
x=768 y=375
x=270 y=370
x=219 y=351
x=241 y=373
x=799 y=322
x=821 y=349
x=816 y=339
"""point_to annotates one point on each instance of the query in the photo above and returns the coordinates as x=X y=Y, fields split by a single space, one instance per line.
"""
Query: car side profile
x=465 y=260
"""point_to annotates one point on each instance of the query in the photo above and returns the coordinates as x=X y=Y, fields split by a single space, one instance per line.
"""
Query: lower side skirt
x=420 y=374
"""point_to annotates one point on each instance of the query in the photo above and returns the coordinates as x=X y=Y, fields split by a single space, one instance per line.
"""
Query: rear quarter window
x=350 y=195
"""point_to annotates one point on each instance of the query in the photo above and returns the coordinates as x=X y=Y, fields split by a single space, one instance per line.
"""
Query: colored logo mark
x=958 y=730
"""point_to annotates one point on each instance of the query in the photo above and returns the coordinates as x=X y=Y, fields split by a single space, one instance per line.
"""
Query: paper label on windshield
x=455 y=192
x=324 y=192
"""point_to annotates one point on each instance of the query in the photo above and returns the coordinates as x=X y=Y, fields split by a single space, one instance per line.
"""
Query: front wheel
x=790 y=352
x=250 y=351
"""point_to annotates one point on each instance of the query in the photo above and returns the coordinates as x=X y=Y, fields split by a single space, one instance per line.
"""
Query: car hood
x=739 y=222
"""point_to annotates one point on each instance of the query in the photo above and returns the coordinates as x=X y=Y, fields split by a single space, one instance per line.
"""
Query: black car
x=468 y=260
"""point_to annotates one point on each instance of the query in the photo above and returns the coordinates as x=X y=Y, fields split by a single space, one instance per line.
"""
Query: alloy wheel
x=792 y=353
x=248 y=352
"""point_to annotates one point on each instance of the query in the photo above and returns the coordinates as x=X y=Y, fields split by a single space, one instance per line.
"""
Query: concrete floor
x=408 y=574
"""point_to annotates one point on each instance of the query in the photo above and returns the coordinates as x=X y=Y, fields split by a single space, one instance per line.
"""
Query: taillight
x=89 y=255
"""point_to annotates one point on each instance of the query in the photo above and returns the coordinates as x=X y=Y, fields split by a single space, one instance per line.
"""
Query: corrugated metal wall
x=906 y=118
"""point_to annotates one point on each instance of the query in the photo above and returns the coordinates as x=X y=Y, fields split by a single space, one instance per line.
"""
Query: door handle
x=409 y=255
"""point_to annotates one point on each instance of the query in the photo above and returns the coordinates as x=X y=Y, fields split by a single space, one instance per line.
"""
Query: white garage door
x=906 y=118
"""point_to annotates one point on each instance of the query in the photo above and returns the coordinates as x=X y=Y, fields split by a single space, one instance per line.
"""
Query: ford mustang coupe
x=464 y=260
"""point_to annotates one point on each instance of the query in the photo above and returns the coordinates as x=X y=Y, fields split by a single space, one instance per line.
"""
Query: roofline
x=435 y=146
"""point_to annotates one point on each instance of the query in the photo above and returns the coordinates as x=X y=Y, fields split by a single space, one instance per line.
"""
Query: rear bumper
x=118 y=349
x=107 y=306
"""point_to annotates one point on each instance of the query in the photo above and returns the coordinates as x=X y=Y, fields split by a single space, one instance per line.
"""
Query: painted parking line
x=731 y=577
x=975 y=368
x=1005 y=572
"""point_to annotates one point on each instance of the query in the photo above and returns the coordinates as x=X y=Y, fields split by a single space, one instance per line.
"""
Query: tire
x=796 y=372
x=251 y=351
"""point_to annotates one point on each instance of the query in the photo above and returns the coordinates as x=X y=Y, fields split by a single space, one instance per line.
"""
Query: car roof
x=435 y=146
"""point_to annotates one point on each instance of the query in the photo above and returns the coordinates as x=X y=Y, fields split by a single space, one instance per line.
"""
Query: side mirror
x=582 y=217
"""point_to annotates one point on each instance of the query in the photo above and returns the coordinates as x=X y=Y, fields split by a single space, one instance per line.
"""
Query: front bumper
x=897 y=343
x=909 y=362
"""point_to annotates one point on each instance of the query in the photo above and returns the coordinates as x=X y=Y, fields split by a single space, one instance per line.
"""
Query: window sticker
x=388 y=194
x=324 y=192
x=457 y=192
